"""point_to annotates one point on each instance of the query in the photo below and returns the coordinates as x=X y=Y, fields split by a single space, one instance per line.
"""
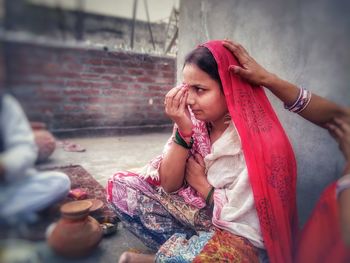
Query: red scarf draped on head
x=268 y=154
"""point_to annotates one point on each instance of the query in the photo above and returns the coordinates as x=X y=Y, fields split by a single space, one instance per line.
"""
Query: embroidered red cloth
x=269 y=156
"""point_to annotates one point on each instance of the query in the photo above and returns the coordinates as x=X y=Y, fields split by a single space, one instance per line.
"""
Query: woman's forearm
x=319 y=111
x=172 y=168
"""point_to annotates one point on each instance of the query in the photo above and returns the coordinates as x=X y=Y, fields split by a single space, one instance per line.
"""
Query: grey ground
x=103 y=157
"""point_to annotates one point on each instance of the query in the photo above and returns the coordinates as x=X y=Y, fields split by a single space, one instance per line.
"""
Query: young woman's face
x=205 y=98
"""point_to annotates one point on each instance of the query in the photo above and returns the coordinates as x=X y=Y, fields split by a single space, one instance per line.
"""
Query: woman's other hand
x=195 y=174
x=176 y=108
x=340 y=130
x=251 y=71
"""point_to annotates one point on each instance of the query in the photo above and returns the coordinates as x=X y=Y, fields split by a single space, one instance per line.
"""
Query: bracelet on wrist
x=342 y=184
x=303 y=100
x=183 y=135
x=180 y=141
x=210 y=194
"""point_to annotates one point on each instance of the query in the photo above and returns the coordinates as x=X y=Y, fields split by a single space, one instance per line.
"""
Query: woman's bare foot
x=130 y=257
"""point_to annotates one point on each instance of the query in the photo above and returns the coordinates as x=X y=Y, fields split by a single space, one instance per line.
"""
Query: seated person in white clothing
x=23 y=190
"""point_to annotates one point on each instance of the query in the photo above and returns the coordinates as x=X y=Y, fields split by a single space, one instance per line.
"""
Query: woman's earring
x=227 y=118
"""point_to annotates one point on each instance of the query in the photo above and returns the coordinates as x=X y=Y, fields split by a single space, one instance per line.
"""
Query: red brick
x=90 y=91
x=67 y=74
x=89 y=76
x=168 y=75
x=146 y=79
x=114 y=70
x=96 y=69
x=74 y=67
x=72 y=91
x=126 y=78
x=110 y=62
x=97 y=108
x=94 y=61
x=81 y=99
x=156 y=87
x=120 y=56
x=72 y=107
x=118 y=85
x=78 y=83
x=100 y=84
x=166 y=67
x=136 y=72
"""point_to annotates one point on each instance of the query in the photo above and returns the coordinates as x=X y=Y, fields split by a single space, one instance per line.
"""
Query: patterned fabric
x=271 y=163
x=226 y=247
x=178 y=249
x=231 y=187
x=150 y=213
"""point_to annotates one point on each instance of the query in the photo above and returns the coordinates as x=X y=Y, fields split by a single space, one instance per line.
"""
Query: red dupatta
x=269 y=157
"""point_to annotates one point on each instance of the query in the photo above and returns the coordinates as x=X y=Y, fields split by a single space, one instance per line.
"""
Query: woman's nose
x=190 y=98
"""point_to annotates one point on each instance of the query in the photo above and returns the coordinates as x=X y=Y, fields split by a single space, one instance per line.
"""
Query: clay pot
x=76 y=233
x=44 y=139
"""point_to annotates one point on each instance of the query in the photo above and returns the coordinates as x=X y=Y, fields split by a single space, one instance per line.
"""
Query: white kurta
x=234 y=208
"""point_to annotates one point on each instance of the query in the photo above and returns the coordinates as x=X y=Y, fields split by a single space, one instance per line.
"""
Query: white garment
x=234 y=208
x=20 y=149
x=25 y=190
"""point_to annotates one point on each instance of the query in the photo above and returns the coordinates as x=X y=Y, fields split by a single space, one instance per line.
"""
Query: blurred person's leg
x=20 y=201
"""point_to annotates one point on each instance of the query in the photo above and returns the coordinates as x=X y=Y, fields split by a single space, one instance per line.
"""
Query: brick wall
x=78 y=88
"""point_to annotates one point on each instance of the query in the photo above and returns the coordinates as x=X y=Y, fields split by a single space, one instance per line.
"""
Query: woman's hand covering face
x=176 y=108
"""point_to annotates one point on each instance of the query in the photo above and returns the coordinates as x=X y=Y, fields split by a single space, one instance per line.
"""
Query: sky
x=158 y=9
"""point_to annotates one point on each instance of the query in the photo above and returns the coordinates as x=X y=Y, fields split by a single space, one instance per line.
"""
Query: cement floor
x=103 y=157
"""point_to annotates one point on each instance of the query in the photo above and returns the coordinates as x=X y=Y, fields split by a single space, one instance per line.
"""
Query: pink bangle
x=183 y=136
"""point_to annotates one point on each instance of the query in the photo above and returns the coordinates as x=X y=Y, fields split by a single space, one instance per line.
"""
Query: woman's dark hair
x=203 y=59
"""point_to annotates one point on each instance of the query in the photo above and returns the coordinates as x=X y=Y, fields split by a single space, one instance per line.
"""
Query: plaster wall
x=306 y=42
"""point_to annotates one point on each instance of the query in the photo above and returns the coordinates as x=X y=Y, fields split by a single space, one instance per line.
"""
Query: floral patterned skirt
x=179 y=232
x=150 y=213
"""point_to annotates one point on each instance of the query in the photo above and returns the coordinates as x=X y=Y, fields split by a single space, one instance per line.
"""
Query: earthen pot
x=76 y=234
x=44 y=140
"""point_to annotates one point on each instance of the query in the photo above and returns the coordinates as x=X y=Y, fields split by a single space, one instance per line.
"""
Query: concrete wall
x=306 y=42
x=89 y=89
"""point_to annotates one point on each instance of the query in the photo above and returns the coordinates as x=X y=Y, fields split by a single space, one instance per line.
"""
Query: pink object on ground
x=77 y=194
x=71 y=146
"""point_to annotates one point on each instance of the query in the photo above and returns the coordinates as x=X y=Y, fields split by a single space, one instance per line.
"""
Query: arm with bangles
x=318 y=110
x=176 y=165
x=192 y=169
x=172 y=167
x=196 y=177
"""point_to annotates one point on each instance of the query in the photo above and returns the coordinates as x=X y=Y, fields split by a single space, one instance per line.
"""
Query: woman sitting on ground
x=222 y=189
